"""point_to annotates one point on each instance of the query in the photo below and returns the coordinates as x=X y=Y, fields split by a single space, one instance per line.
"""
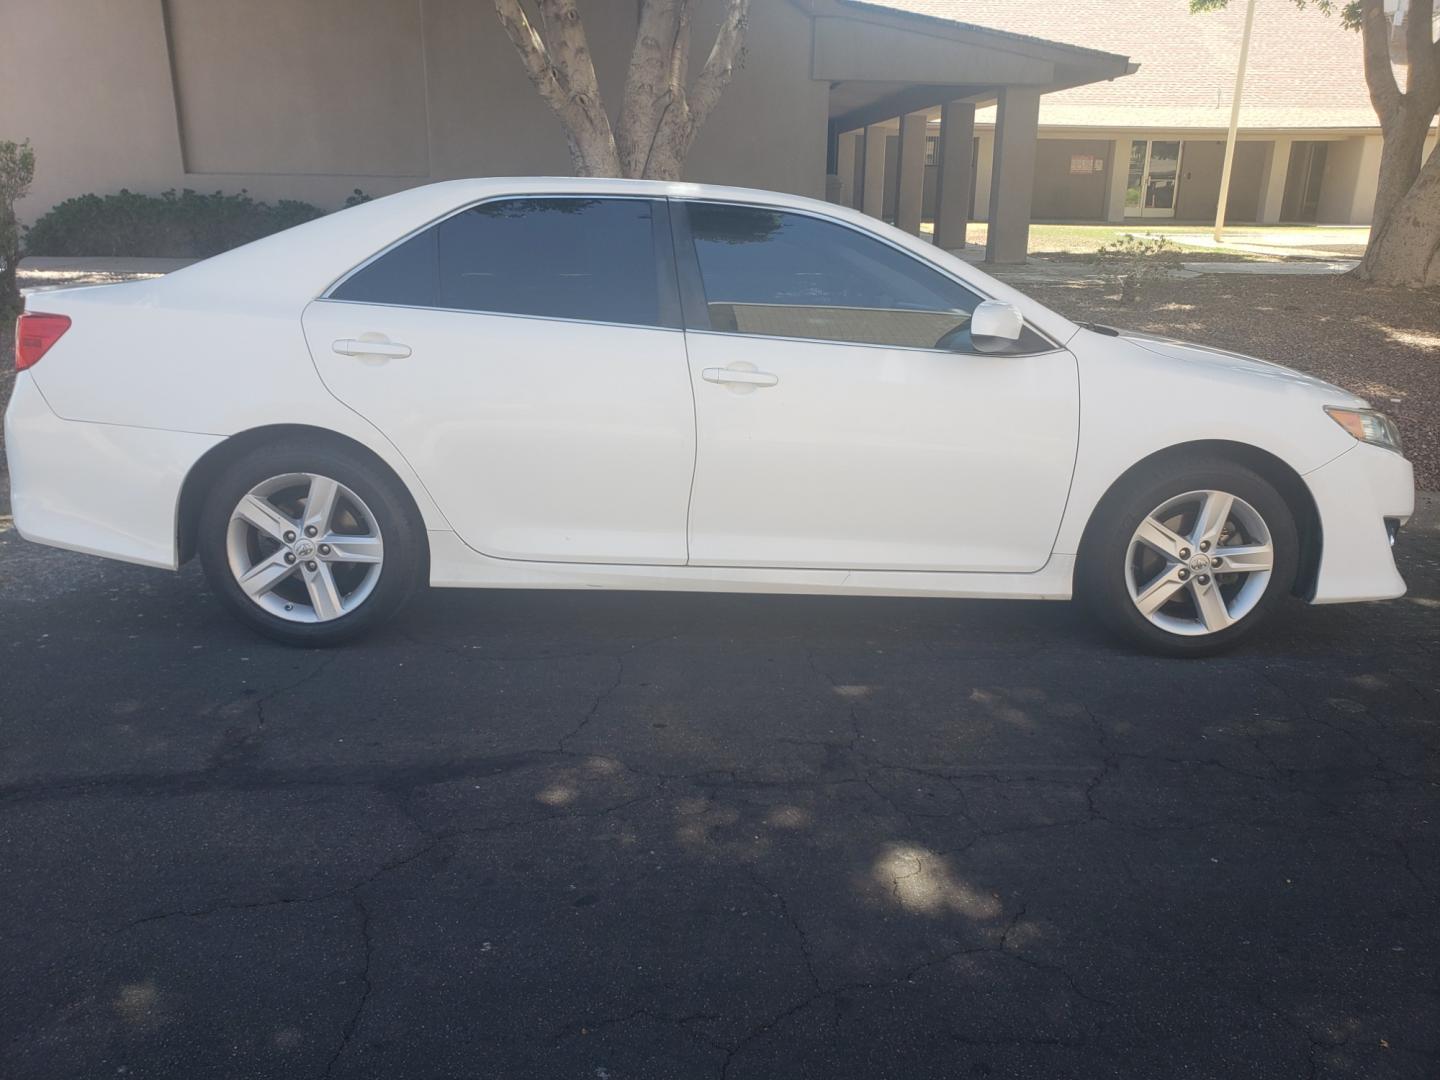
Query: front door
x=834 y=433
x=525 y=357
x=1154 y=180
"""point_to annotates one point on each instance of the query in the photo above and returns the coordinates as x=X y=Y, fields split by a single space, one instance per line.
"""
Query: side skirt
x=455 y=566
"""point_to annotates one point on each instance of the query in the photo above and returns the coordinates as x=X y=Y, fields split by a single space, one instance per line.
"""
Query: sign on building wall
x=1086 y=164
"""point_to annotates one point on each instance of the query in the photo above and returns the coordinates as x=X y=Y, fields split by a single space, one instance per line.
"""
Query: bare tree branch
x=1423 y=79
x=1379 y=75
x=656 y=37
x=727 y=55
x=562 y=72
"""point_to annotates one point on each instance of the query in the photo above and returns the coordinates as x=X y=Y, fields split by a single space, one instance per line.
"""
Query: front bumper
x=104 y=489
x=1355 y=494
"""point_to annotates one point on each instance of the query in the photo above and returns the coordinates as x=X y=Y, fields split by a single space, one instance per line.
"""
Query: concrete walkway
x=1040 y=270
x=1312 y=266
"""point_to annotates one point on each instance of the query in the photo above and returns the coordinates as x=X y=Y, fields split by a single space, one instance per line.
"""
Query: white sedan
x=558 y=383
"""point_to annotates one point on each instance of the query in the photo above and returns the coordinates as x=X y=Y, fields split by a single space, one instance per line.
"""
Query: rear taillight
x=35 y=332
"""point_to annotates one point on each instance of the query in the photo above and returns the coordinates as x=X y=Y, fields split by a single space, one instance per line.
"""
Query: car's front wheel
x=1187 y=559
x=309 y=545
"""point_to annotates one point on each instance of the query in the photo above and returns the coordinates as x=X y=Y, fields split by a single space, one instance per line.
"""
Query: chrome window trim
x=971 y=287
x=873 y=345
x=686 y=201
x=504 y=315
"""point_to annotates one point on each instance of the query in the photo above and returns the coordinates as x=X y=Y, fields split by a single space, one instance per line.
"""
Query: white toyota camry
x=559 y=383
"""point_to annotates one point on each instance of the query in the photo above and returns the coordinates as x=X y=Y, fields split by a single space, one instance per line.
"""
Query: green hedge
x=183 y=225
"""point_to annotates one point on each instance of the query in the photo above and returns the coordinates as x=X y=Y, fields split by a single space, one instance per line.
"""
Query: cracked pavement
x=607 y=835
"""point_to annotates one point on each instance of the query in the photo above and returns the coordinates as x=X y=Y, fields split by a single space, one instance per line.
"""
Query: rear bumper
x=1355 y=494
x=103 y=489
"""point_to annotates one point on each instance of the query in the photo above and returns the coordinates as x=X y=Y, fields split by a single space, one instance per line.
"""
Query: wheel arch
x=1275 y=470
x=210 y=464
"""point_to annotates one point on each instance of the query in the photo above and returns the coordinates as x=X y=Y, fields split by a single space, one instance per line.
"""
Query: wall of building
x=1201 y=164
x=1062 y=194
x=1352 y=174
x=309 y=101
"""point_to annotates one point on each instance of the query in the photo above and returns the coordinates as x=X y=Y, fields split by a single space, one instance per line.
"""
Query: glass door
x=1154 y=178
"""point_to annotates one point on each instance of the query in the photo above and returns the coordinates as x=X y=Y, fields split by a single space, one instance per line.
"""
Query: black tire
x=1100 y=574
x=401 y=571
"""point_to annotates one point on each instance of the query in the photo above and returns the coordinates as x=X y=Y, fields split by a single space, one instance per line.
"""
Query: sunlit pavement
x=604 y=835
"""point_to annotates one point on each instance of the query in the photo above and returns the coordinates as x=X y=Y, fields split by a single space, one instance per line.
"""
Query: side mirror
x=995 y=326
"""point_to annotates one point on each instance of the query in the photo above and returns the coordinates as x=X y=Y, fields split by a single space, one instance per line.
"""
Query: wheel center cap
x=1200 y=564
x=304 y=549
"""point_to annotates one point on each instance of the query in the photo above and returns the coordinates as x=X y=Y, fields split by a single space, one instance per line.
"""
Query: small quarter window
x=407 y=274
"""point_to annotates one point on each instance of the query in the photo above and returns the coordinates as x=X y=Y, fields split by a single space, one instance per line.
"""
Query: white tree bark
x=559 y=66
x=661 y=111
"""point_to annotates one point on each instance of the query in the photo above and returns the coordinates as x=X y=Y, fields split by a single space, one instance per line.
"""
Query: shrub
x=183 y=225
x=1132 y=262
x=17 y=169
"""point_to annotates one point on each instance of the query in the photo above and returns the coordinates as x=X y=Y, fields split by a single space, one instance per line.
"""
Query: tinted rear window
x=591 y=259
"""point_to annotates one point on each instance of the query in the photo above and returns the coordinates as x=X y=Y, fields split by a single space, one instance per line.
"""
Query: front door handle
x=735 y=375
x=390 y=350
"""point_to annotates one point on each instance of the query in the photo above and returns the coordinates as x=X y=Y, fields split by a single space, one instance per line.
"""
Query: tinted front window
x=592 y=259
x=789 y=275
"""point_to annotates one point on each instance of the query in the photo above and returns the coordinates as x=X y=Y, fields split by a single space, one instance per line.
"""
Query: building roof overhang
x=882 y=62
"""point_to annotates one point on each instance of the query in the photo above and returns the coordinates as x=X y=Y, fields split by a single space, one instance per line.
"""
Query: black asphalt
x=605 y=835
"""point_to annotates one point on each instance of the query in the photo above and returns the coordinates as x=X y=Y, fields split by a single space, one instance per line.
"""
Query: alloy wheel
x=1199 y=563
x=304 y=547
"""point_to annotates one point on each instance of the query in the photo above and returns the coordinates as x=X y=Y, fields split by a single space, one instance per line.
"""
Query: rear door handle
x=733 y=375
x=390 y=350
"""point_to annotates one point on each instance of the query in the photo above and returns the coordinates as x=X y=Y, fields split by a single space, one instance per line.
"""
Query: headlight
x=1367 y=425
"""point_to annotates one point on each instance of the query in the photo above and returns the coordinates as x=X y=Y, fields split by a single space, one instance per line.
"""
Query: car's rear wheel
x=309 y=545
x=1189 y=558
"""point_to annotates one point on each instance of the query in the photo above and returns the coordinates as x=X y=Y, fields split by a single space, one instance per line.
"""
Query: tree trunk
x=1405 y=224
x=660 y=112
x=1405 y=250
x=559 y=67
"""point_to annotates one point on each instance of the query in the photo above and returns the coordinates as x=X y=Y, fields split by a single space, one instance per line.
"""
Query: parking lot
x=606 y=835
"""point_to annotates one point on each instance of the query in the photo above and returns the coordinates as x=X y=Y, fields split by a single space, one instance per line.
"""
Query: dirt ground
x=1381 y=343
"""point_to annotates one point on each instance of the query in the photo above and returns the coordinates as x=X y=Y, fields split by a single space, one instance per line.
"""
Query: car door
x=833 y=432
x=525 y=355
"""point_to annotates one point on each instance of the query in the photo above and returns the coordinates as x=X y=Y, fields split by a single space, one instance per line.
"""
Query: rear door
x=525 y=356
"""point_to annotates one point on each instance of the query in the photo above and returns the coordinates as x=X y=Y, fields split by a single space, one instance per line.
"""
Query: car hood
x=1224 y=361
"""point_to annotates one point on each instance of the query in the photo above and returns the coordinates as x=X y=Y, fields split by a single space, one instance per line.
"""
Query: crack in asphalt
x=600 y=700
x=367 y=987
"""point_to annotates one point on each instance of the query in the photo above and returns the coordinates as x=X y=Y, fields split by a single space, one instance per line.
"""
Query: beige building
x=1149 y=148
x=310 y=99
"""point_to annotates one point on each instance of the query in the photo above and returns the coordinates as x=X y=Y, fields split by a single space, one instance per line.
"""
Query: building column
x=911 y=174
x=1367 y=180
x=984 y=167
x=1119 y=180
x=1016 y=125
x=954 y=156
x=873 y=194
x=847 y=151
x=1272 y=181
